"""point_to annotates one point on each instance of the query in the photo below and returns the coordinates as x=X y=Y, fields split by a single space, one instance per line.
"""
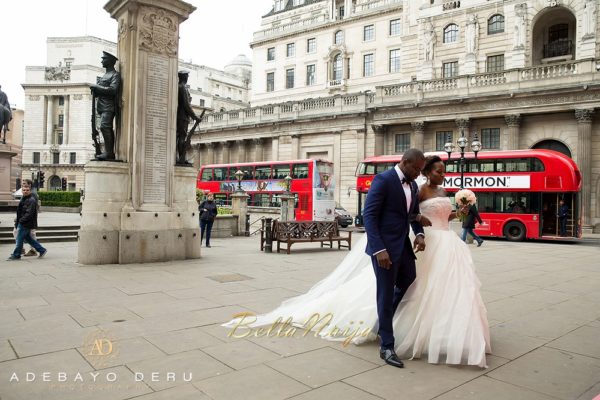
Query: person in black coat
x=208 y=213
x=563 y=215
x=25 y=222
x=469 y=224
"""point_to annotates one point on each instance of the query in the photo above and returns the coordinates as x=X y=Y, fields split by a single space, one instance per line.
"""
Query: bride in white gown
x=442 y=314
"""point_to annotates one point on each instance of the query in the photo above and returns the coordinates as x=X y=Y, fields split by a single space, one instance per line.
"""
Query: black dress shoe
x=390 y=357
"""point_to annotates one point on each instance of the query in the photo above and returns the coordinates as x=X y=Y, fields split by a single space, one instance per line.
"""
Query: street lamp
x=288 y=183
x=239 y=175
x=462 y=143
x=325 y=180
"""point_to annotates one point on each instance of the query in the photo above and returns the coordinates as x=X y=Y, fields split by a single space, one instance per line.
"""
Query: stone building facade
x=58 y=104
x=519 y=74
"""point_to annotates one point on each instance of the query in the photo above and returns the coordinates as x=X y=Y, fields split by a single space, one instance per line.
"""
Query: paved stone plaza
x=543 y=307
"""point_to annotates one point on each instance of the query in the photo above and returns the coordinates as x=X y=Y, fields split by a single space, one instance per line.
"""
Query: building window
x=368 y=65
x=270 y=81
x=338 y=67
x=395 y=60
x=279 y=5
x=298 y=2
x=369 y=33
x=270 y=53
x=61 y=100
x=490 y=138
x=311 y=45
x=290 y=50
x=341 y=12
x=451 y=33
x=450 y=69
x=56 y=158
x=394 y=27
x=401 y=142
x=496 y=24
x=311 y=72
x=61 y=120
x=441 y=138
x=36 y=157
x=495 y=63
x=339 y=37
x=73 y=158
x=289 y=78
x=202 y=102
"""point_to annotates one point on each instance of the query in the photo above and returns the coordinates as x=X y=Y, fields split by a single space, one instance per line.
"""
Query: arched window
x=495 y=24
x=450 y=33
x=338 y=67
x=339 y=37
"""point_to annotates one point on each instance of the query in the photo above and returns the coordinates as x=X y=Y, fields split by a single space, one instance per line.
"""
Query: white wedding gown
x=442 y=313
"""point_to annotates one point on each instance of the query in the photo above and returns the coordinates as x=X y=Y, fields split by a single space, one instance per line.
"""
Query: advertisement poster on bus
x=323 y=191
x=272 y=185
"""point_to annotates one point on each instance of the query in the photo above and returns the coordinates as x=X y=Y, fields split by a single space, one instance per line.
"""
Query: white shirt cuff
x=420 y=234
x=380 y=251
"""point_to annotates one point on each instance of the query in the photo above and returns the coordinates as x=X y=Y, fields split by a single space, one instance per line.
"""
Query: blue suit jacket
x=386 y=218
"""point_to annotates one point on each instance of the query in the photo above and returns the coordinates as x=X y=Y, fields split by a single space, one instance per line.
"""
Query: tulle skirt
x=442 y=314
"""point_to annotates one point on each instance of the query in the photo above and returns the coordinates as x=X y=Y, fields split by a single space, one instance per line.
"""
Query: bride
x=442 y=313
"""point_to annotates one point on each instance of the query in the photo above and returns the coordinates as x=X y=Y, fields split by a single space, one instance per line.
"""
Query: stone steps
x=44 y=234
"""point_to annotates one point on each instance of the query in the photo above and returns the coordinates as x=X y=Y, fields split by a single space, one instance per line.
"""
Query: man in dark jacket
x=25 y=222
x=563 y=215
x=208 y=212
x=469 y=224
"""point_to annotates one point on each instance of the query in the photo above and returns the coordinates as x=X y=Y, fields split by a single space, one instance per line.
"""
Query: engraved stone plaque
x=155 y=129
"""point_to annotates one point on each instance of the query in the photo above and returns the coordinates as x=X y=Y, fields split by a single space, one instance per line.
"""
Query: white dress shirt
x=405 y=186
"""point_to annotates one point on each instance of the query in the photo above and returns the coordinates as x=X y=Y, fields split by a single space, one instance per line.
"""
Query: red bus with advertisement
x=518 y=191
x=312 y=184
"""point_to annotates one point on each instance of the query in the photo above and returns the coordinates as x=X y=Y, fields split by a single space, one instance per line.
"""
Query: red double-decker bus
x=518 y=191
x=312 y=184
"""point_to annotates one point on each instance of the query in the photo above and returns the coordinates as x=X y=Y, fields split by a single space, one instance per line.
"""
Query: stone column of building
x=510 y=138
x=66 y=119
x=210 y=154
x=379 y=131
x=463 y=125
x=418 y=134
x=48 y=137
x=258 y=149
x=241 y=148
x=197 y=149
x=295 y=146
x=225 y=153
x=275 y=148
x=584 y=161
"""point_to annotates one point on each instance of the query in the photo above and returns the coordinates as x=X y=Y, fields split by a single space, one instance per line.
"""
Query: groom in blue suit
x=392 y=205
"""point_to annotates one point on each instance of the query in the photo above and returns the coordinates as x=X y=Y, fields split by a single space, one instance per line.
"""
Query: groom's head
x=413 y=161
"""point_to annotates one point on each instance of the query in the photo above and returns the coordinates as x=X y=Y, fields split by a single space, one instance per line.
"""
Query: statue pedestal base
x=114 y=232
x=425 y=72
x=470 y=66
x=7 y=203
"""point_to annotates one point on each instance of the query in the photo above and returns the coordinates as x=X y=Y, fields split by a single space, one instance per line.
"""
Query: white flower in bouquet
x=464 y=199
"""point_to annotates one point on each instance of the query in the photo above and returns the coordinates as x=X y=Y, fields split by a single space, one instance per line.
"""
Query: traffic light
x=41 y=179
x=64 y=184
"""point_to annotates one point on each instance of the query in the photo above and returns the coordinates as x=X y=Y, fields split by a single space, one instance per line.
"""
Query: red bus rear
x=518 y=191
x=312 y=184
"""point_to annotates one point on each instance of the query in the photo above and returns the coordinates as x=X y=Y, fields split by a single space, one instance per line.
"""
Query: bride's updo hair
x=429 y=163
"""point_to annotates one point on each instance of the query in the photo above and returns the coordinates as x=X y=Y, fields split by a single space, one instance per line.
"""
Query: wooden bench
x=325 y=232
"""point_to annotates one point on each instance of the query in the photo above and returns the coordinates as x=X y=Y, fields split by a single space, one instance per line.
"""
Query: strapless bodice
x=437 y=209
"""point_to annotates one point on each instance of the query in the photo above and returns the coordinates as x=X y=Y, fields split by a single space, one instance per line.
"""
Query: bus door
x=550 y=205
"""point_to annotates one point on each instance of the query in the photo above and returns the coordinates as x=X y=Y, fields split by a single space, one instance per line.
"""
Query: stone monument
x=143 y=209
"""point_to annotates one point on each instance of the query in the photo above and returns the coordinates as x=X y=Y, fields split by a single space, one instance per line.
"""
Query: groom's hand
x=419 y=244
x=383 y=259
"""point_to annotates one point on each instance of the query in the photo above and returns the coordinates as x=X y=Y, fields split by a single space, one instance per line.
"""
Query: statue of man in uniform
x=184 y=113
x=106 y=91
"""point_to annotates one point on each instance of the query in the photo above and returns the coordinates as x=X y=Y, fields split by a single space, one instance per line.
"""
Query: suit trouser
x=391 y=286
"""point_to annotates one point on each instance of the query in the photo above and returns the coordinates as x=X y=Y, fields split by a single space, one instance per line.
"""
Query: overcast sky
x=213 y=35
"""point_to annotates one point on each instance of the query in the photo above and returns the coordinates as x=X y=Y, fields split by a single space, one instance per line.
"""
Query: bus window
x=485 y=202
x=281 y=171
x=300 y=171
x=261 y=200
x=248 y=173
x=480 y=166
x=381 y=167
x=220 y=174
x=516 y=165
x=360 y=169
x=369 y=169
x=452 y=166
x=263 y=172
x=537 y=165
x=207 y=174
x=232 y=171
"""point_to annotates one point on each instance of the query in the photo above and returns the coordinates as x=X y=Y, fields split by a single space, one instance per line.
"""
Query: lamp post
x=288 y=183
x=462 y=143
x=239 y=175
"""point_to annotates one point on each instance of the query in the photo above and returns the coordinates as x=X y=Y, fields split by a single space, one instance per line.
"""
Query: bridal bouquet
x=464 y=199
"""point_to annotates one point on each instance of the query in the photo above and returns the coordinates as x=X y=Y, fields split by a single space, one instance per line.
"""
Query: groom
x=392 y=204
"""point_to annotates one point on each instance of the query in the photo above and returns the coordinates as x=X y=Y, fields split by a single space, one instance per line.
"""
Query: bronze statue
x=5 y=114
x=106 y=97
x=184 y=113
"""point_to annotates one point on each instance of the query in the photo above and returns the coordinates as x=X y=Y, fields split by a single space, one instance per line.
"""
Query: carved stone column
x=66 y=120
x=295 y=146
x=49 y=137
x=379 y=131
x=225 y=152
x=510 y=138
x=275 y=148
x=210 y=154
x=584 y=161
x=258 y=149
x=241 y=151
x=417 y=137
x=197 y=149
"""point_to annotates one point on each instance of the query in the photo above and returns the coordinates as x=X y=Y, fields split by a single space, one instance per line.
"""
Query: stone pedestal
x=470 y=66
x=6 y=155
x=143 y=209
x=287 y=207
x=425 y=71
x=239 y=207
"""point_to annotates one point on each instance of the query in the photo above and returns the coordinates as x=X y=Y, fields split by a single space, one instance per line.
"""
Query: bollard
x=268 y=237
x=247 y=233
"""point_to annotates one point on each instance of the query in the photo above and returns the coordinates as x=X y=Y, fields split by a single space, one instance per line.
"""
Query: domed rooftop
x=241 y=59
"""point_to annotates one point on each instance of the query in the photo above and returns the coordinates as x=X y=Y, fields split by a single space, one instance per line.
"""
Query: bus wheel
x=514 y=231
